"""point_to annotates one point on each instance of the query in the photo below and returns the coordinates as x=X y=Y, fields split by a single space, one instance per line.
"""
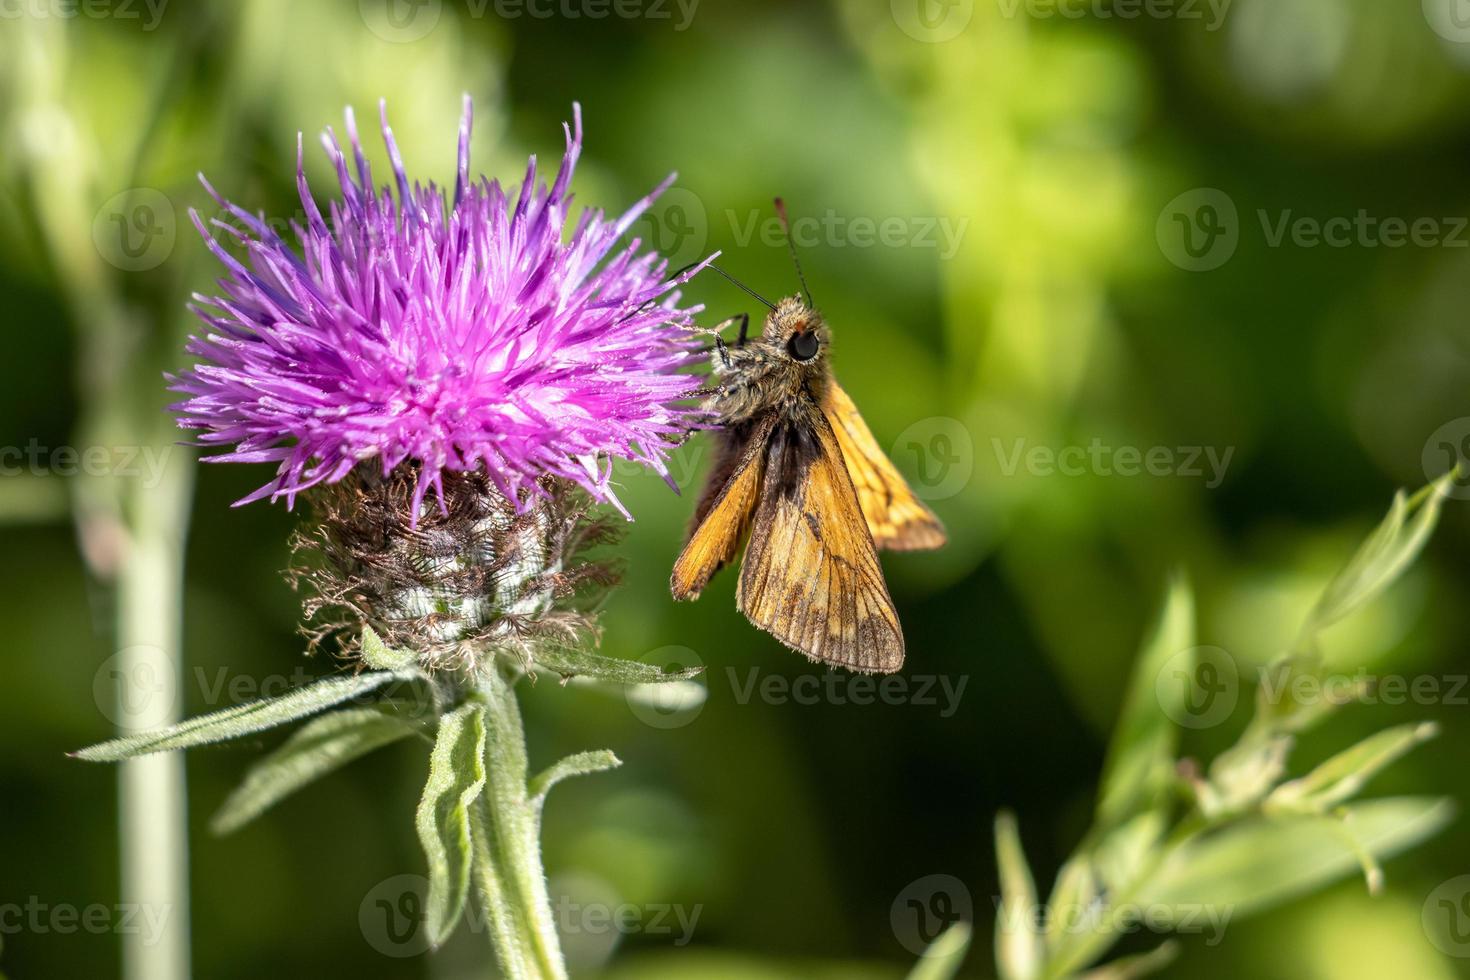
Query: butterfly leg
x=720 y=346
x=742 y=318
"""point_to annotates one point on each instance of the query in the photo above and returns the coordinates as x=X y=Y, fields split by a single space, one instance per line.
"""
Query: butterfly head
x=797 y=331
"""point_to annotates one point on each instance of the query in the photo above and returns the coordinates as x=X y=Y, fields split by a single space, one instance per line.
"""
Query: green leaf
x=323 y=745
x=244 y=719
x=1343 y=776
x=1381 y=559
x=573 y=662
x=1279 y=710
x=377 y=655
x=581 y=764
x=1241 y=776
x=456 y=777
x=1018 y=950
x=1140 y=764
x=1265 y=860
x=941 y=961
x=1122 y=855
x=1133 y=967
x=1071 y=900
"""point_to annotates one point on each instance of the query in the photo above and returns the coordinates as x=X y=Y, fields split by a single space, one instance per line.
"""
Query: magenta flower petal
x=464 y=334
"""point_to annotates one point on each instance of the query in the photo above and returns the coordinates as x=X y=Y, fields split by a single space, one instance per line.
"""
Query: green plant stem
x=506 y=837
x=152 y=806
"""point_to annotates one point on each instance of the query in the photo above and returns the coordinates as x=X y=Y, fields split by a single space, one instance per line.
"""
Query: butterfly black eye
x=803 y=346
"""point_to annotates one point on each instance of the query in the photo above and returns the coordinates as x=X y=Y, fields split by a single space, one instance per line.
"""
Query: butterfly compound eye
x=803 y=346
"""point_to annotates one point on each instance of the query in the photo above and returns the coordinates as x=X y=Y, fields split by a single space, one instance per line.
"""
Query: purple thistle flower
x=460 y=336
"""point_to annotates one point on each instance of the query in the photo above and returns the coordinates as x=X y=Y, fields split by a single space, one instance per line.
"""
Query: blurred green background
x=1028 y=229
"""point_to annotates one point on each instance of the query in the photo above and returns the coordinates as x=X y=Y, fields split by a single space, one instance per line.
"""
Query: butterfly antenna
x=791 y=247
x=768 y=304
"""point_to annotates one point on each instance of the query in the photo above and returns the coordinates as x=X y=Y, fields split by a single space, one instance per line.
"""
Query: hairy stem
x=506 y=832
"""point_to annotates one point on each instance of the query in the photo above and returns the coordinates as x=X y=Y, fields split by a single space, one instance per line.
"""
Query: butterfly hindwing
x=810 y=575
x=896 y=518
x=725 y=508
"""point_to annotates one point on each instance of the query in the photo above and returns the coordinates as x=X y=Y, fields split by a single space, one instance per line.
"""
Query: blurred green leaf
x=1265 y=860
x=320 y=747
x=1242 y=776
x=1346 y=827
x=1133 y=967
x=705 y=963
x=244 y=719
x=941 y=961
x=1018 y=950
x=1072 y=898
x=1382 y=558
x=1124 y=853
x=456 y=777
x=1343 y=776
x=1388 y=551
x=1279 y=707
x=1140 y=765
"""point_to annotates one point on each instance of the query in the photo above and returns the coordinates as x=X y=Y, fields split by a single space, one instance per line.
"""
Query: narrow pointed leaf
x=456 y=777
x=1072 y=899
x=377 y=654
x=1262 y=861
x=244 y=719
x=941 y=961
x=1343 y=776
x=1382 y=558
x=572 y=662
x=1279 y=708
x=1018 y=949
x=1134 y=967
x=1140 y=765
x=322 y=745
x=1121 y=855
x=581 y=764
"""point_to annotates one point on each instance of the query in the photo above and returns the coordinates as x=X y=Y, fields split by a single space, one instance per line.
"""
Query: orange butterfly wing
x=724 y=511
x=896 y=518
x=810 y=575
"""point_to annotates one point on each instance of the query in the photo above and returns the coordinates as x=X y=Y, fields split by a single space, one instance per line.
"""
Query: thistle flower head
x=455 y=335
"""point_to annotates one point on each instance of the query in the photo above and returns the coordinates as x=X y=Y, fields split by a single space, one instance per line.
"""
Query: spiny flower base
x=474 y=578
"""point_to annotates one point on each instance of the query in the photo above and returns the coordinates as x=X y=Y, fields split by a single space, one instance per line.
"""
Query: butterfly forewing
x=724 y=511
x=810 y=575
x=896 y=518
